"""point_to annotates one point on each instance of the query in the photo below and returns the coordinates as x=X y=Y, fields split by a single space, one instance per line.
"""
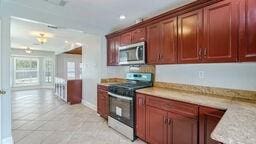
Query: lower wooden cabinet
x=156 y=125
x=102 y=101
x=162 y=121
x=141 y=117
x=208 y=119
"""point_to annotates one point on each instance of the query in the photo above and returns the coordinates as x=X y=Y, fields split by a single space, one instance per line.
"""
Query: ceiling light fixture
x=78 y=44
x=42 y=39
x=122 y=17
x=28 y=50
x=66 y=42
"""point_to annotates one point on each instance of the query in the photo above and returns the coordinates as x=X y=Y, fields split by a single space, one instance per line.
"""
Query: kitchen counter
x=237 y=126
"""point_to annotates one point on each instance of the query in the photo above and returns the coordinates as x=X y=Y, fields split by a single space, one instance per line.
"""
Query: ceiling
x=98 y=14
x=25 y=32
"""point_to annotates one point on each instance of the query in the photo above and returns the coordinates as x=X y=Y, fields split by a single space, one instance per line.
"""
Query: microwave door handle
x=119 y=96
x=137 y=53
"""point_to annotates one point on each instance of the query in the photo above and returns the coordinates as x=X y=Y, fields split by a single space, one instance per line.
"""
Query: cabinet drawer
x=102 y=87
x=173 y=106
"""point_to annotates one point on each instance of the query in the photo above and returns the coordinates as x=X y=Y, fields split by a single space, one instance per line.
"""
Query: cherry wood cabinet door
x=141 y=116
x=182 y=129
x=156 y=125
x=126 y=39
x=139 y=35
x=112 y=51
x=190 y=37
x=105 y=104
x=153 y=43
x=168 y=47
x=247 y=49
x=111 y=45
x=208 y=119
x=221 y=31
x=102 y=103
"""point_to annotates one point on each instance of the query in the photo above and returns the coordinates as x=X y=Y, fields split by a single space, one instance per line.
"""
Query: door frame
x=5 y=47
x=0 y=80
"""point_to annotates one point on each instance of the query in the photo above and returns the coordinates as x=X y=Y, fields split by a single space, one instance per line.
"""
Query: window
x=48 y=71
x=71 y=70
x=26 y=71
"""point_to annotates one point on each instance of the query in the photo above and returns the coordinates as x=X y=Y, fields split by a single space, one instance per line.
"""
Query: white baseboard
x=8 y=140
x=89 y=105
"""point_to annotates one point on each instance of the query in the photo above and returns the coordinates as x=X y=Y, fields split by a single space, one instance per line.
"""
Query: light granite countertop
x=108 y=83
x=237 y=126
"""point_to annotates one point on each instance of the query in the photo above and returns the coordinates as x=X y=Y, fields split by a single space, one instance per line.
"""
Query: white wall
x=95 y=68
x=41 y=55
x=61 y=64
x=227 y=75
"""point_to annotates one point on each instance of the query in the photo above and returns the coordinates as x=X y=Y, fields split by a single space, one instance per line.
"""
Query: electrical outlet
x=201 y=74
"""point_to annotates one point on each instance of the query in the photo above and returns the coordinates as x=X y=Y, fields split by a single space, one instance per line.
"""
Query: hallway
x=38 y=117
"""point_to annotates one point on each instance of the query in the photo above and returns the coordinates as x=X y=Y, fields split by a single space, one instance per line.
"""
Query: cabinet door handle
x=205 y=52
x=200 y=54
x=169 y=121
x=165 y=120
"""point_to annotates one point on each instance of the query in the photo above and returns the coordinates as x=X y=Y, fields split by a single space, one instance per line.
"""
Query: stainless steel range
x=122 y=102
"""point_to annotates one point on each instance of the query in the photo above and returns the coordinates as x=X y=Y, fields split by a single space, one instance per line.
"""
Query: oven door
x=121 y=108
x=132 y=54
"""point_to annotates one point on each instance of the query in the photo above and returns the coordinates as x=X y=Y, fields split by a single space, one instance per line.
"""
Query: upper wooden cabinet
x=112 y=51
x=153 y=43
x=247 y=51
x=207 y=31
x=126 y=39
x=138 y=35
x=221 y=31
x=162 y=42
x=190 y=37
x=209 y=35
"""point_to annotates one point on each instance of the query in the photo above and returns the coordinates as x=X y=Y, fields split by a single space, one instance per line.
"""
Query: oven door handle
x=137 y=53
x=119 y=96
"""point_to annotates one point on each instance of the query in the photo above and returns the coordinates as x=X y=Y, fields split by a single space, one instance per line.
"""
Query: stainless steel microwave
x=132 y=54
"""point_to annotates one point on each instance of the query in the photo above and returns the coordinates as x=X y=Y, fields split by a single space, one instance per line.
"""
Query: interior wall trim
x=89 y=105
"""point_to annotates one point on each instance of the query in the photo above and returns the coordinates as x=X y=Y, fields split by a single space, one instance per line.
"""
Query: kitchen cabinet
x=247 y=49
x=156 y=129
x=141 y=116
x=221 y=23
x=138 y=35
x=168 y=49
x=126 y=39
x=169 y=122
x=153 y=43
x=112 y=51
x=208 y=119
x=162 y=42
x=102 y=101
x=207 y=31
x=182 y=129
x=190 y=37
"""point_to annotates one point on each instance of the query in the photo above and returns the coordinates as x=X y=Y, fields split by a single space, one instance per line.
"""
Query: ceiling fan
x=61 y=3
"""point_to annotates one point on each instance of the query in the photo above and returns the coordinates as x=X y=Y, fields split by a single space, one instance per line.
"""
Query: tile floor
x=38 y=117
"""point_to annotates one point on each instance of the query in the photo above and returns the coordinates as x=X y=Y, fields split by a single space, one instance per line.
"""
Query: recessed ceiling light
x=66 y=42
x=122 y=17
